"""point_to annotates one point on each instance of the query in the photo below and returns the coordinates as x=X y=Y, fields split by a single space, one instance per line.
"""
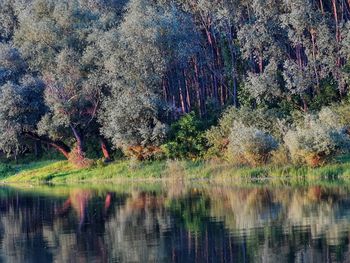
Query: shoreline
x=118 y=171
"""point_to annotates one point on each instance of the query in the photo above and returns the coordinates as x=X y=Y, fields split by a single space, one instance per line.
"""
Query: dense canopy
x=120 y=74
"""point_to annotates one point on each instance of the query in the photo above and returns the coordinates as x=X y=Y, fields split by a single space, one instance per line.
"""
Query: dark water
x=175 y=223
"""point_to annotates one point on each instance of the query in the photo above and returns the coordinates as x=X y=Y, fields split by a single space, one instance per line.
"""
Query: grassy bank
x=62 y=171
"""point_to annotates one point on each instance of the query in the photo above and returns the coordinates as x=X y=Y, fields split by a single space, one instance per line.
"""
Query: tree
x=261 y=37
x=264 y=87
x=313 y=55
x=134 y=114
x=9 y=12
x=21 y=104
x=57 y=39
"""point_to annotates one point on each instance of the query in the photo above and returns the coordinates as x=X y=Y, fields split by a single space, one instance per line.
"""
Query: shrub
x=250 y=145
x=186 y=139
x=6 y=169
x=343 y=115
x=142 y=153
x=218 y=136
x=317 y=140
x=280 y=157
x=79 y=159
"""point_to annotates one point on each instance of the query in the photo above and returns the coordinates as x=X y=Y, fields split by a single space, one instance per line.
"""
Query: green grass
x=62 y=171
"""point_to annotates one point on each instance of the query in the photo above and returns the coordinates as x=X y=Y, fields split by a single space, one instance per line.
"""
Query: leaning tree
x=22 y=104
x=57 y=39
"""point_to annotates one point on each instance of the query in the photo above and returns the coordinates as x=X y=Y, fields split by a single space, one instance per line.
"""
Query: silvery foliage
x=58 y=39
x=264 y=87
x=345 y=41
x=137 y=55
x=262 y=38
x=330 y=118
x=298 y=80
x=21 y=100
x=319 y=135
x=7 y=20
x=311 y=36
x=249 y=141
x=262 y=35
x=9 y=12
x=10 y=141
x=11 y=63
x=343 y=75
x=262 y=119
x=133 y=120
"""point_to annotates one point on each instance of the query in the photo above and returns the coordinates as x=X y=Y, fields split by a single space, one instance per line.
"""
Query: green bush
x=343 y=114
x=186 y=139
x=250 y=145
x=6 y=169
x=280 y=157
x=265 y=120
x=318 y=139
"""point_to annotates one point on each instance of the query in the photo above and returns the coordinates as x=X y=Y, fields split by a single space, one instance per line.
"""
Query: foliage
x=264 y=87
x=134 y=114
x=21 y=100
x=265 y=120
x=317 y=140
x=132 y=121
x=74 y=73
x=57 y=39
x=186 y=138
x=250 y=145
x=6 y=170
x=280 y=156
x=342 y=112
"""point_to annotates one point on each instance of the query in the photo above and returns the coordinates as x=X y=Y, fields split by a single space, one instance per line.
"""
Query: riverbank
x=62 y=171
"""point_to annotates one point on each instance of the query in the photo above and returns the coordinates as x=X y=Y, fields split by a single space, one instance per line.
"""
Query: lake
x=175 y=222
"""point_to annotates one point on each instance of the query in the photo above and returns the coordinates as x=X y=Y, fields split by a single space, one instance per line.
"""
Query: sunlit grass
x=62 y=171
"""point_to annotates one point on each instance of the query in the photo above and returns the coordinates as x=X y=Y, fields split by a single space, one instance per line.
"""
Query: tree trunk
x=38 y=151
x=79 y=139
x=165 y=92
x=235 y=92
x=313 y=40
x=104 y=149
x=261 y=64
x=234 y=77
x=182 y=100
x=60 y=146
x=305 y=107
x=188 y=97
x=199 y=102
x=321 y=6
x=335 y=14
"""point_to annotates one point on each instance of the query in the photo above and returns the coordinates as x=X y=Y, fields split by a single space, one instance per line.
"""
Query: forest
x=249 y=82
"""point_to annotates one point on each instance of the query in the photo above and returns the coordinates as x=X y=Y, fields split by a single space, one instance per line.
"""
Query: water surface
x=175 y=222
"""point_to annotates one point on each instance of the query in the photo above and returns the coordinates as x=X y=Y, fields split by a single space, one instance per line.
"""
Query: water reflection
x=175 y=223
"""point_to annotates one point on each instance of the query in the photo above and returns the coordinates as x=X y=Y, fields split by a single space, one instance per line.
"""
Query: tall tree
x=133 y=114
x=21 y=104
x=312 y=50
x=57 y=40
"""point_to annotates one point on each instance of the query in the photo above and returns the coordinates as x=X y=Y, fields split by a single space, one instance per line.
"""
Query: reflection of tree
x=22 y=230
x=206 y=224
x=137 y=232
x=192 y=209
x=281 y=223
x=78 y=200
x=42 y=229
